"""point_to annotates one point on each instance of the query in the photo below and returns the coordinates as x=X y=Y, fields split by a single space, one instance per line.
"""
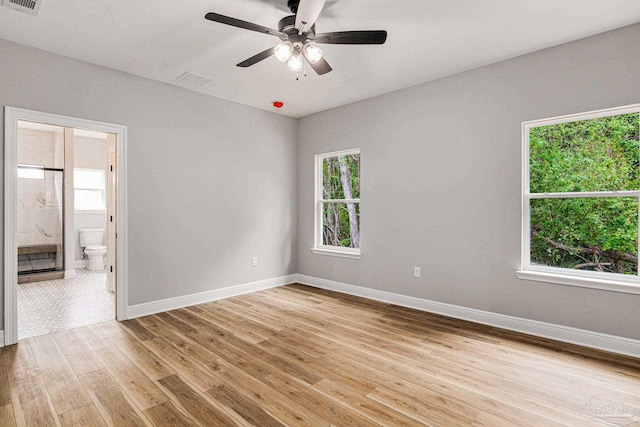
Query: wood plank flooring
x=298 y=356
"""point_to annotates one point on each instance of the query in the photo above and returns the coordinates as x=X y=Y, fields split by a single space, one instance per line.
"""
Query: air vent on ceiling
x=30 y=7
x=193 y=79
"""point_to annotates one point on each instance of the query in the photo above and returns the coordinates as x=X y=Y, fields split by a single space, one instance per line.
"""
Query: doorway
x=61 y=234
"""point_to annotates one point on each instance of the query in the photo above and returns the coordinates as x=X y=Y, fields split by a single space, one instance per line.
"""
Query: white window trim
x=332 y=252
x=318 y=247
x=563 y=276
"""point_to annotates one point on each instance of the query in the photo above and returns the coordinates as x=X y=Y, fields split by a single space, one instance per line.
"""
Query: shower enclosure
x=40 y=187
x=40 y=220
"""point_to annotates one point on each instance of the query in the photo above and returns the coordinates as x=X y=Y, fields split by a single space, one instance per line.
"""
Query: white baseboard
x=615 y=344
x=84 y=263
x=70 y=274
x=1 y=339
x=168 y=304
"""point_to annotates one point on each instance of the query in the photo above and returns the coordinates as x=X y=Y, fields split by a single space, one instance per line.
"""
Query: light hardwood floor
x=300 y=356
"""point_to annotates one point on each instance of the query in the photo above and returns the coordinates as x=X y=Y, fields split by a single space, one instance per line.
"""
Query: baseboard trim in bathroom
x=1 y=339
x=84 y=263
x=168 y=304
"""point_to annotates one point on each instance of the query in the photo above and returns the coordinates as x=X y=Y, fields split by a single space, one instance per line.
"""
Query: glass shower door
x=40 y=219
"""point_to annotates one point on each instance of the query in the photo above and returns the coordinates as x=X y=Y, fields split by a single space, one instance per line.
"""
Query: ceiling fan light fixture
x=283 y=51
x=295 y=62
x=312 y=52
x=297 y=37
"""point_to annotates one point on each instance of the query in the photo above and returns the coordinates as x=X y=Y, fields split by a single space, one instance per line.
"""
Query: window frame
x=318 y=247
x=103 y=190
x=565 y=276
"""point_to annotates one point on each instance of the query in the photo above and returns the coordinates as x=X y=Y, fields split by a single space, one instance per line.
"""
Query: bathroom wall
x=89 y=153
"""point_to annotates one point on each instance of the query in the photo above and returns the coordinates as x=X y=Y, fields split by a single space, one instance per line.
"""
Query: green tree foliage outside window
x=585 y=233
x=341 y=210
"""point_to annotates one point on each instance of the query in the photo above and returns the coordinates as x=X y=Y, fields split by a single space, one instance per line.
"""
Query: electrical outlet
x=417 y=271
x=254 y=261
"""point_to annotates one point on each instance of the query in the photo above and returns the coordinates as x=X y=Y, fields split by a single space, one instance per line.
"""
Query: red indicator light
x=278 y=104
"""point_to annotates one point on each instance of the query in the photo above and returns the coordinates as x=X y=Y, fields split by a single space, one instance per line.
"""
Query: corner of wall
x=296 y=237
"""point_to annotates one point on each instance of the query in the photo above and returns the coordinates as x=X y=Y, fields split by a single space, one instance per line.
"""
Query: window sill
x=583 y=282
x=341 y=254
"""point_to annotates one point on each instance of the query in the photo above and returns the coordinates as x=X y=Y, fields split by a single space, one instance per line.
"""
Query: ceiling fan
x=298 y=37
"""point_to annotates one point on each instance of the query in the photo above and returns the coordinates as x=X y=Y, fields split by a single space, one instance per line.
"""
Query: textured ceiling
x=427 y=40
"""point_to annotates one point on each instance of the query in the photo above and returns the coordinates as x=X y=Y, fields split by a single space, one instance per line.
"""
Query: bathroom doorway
x=63 y=202
x=62 y=228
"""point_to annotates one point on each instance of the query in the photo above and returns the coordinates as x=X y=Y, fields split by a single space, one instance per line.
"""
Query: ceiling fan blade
x=320 y=67
x=352 y=37
x=256 y=58
x=307 y=14
x=243 y=24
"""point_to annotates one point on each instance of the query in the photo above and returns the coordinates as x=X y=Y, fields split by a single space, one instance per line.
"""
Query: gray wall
x=211 y=183
x=441 y=182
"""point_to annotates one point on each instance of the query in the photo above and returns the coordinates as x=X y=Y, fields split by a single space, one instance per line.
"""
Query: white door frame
x=11 y=117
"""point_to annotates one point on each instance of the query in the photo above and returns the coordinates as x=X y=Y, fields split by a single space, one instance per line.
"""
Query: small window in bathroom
x=89 y=189
x=30 y=171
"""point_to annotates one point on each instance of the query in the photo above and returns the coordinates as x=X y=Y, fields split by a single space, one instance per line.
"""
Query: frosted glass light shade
x=312 y=52
x=295 y=62
x=283 y=51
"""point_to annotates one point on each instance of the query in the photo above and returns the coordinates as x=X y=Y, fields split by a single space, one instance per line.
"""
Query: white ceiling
x=427 y=40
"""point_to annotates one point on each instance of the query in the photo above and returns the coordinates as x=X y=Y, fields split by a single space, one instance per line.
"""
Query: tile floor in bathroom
x=57 y=305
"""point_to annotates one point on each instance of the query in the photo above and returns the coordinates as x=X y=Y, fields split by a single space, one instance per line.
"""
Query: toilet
x=91 y=240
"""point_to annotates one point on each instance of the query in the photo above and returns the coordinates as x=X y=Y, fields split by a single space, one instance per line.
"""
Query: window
x=30 y=171
x=337 y=204
x=581 y=188
x=89 y=189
